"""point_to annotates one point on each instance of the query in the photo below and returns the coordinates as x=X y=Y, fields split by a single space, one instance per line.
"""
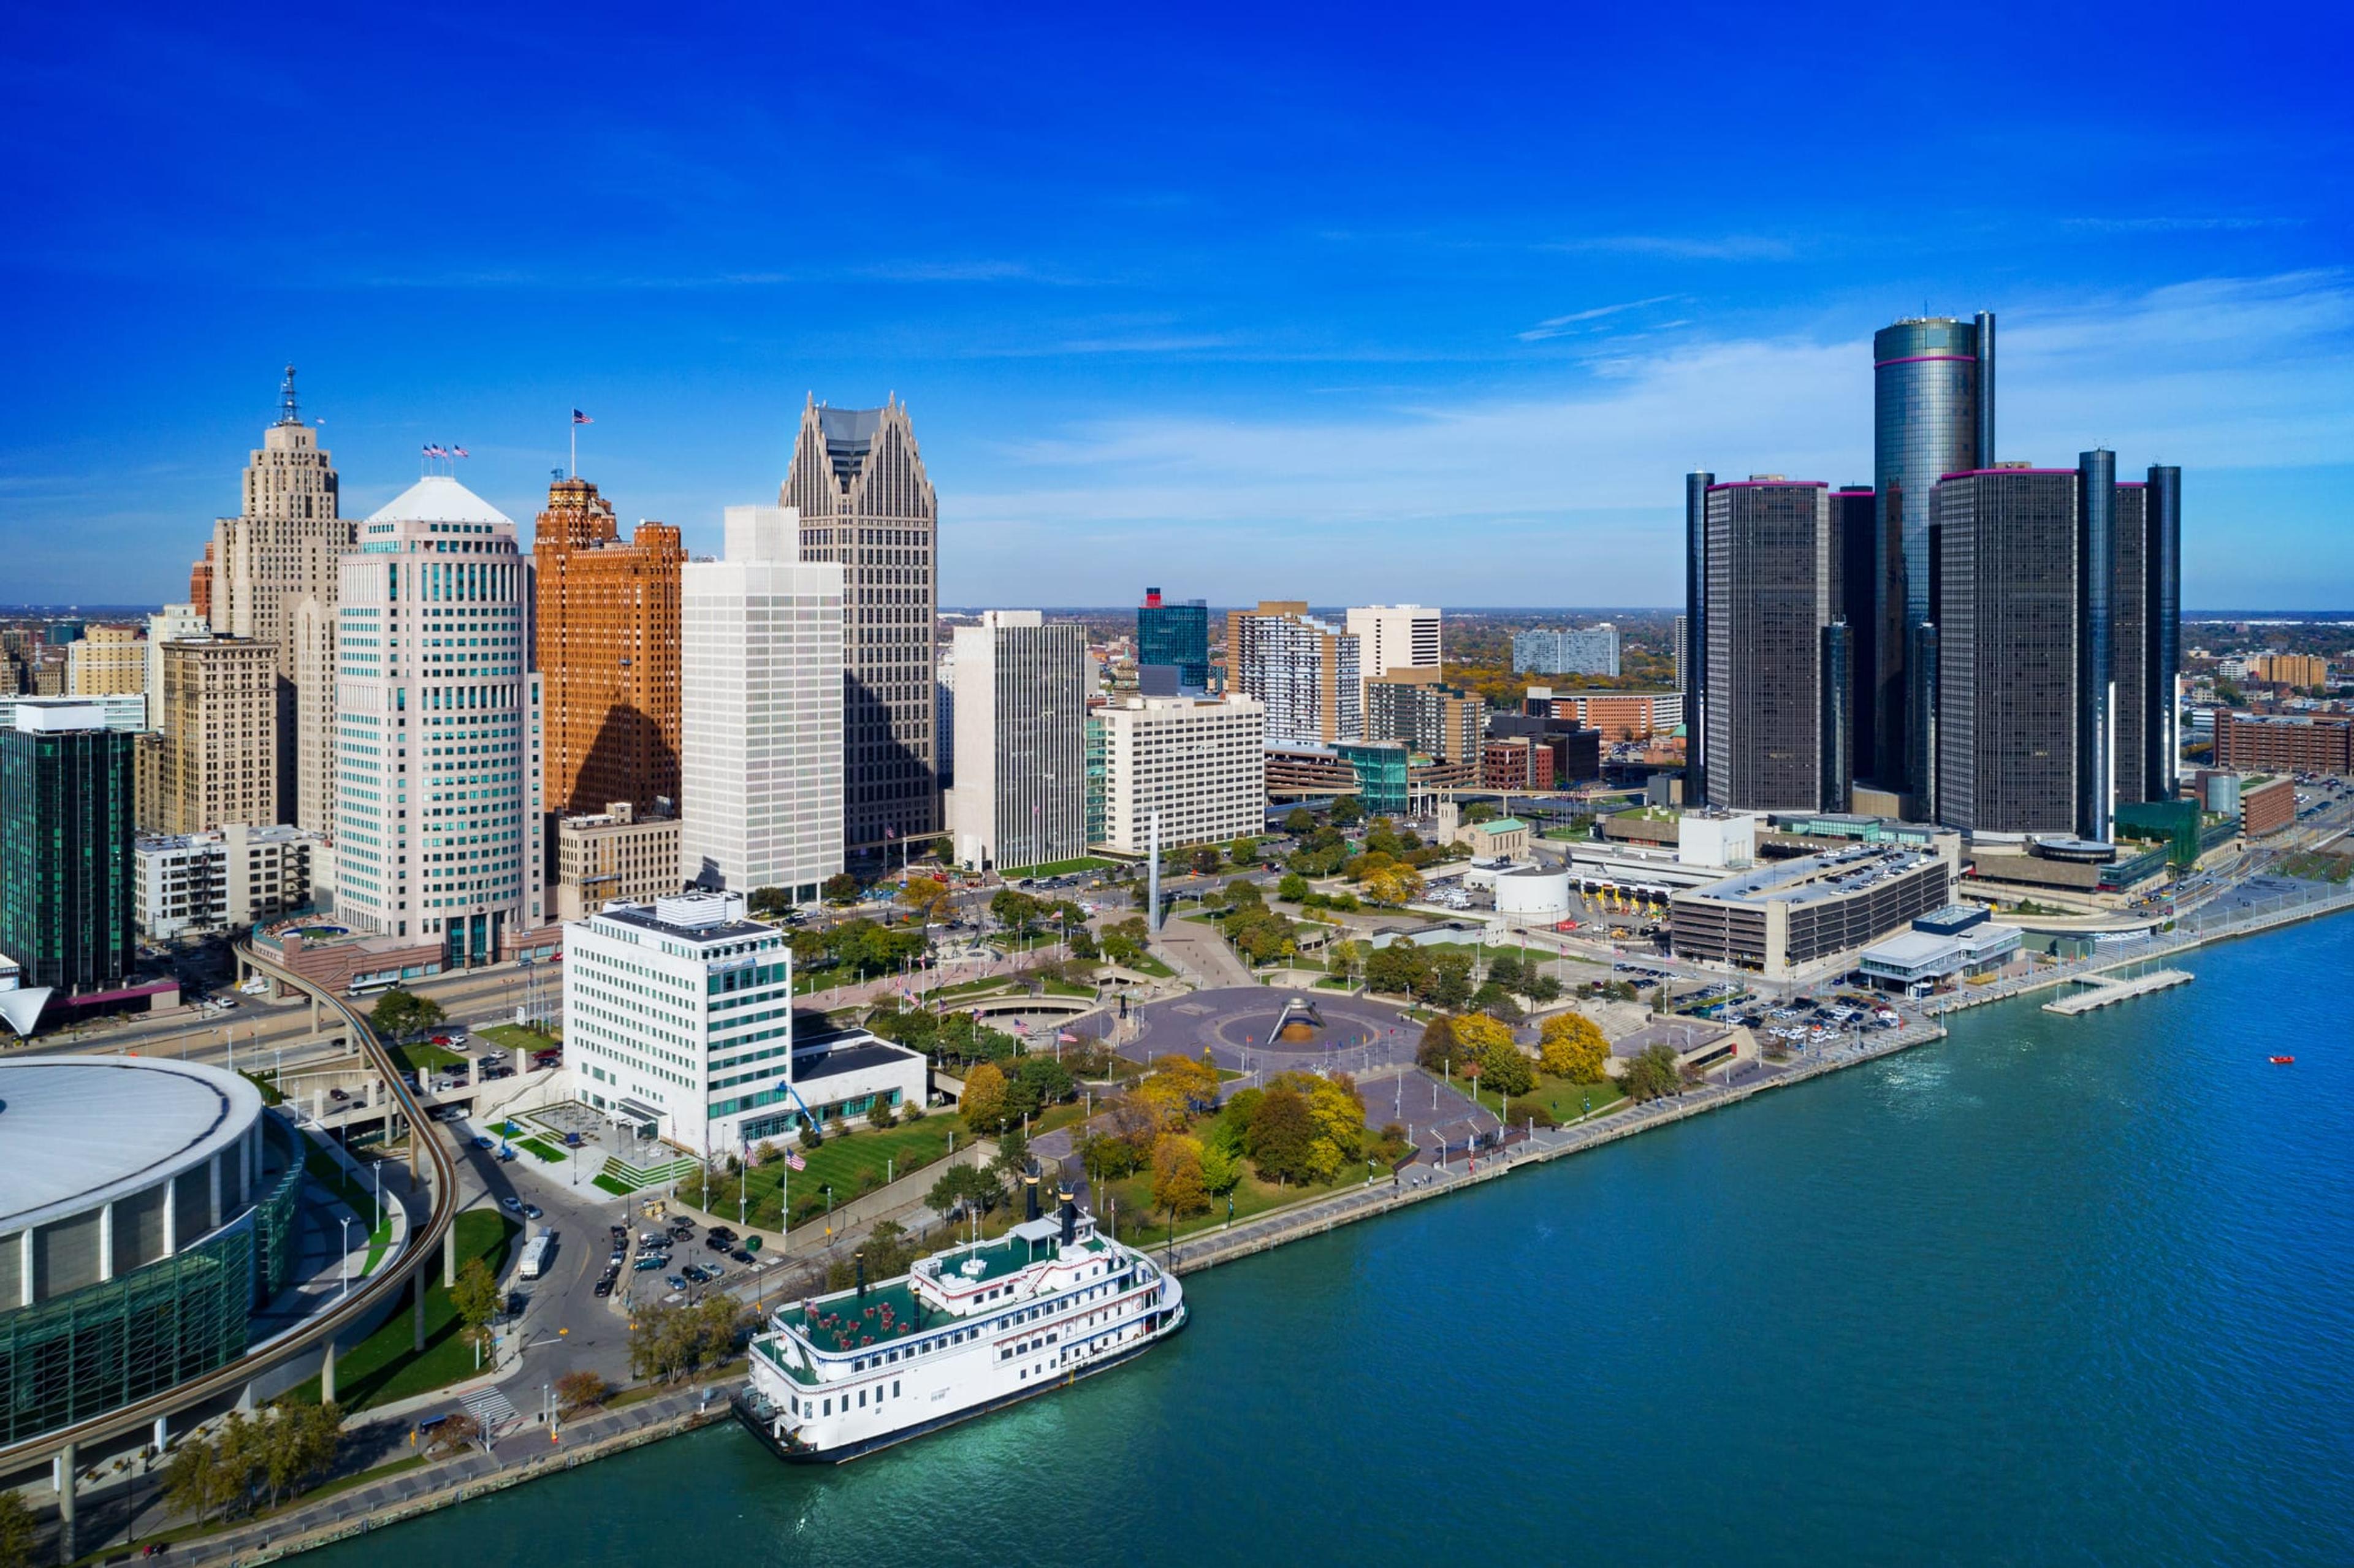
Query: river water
x=2052 y=1291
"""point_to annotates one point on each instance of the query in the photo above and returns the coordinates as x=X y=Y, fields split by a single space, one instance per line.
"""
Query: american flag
x=457 y=452
x=793 y=1158
x=580 y=418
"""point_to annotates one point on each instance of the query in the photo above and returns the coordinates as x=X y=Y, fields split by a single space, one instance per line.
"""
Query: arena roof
x=78 y=1131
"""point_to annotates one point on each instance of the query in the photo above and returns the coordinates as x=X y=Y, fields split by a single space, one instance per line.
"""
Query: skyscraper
x=173 y=623
x=761 y=746
x=108 y=661
x=214 y=755
x=1776 y=693
x=1020 y=799
x=1177 y=635
x=1307 y=672
x=1932 y=414
x=857 y=485
x=2009 y=737
x=282 y=548
x=1693 y=678
x=2162 y=559
x=438 y=829
x=1395 y=637
x=607 y=634
x=67 y=837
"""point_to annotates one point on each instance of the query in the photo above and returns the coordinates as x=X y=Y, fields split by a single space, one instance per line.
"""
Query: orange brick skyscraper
x=607 y=637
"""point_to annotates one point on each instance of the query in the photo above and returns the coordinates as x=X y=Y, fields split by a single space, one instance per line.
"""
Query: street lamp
x=345 y=1264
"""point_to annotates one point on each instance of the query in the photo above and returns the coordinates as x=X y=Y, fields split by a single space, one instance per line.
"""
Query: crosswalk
x=490 y=1407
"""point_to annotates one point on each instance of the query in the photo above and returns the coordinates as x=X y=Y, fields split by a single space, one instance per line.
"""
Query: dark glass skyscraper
x=1775 y=700
x=1177 y=635
x=68 y=823
x=1695 y=647
x=2162 y=746
x=1932 y=413
x=2096 y=599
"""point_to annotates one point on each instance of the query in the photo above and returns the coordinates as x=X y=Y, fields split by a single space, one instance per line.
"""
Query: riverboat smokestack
x=858 y=1262
x=1030 y=1194
x=1070 y=1216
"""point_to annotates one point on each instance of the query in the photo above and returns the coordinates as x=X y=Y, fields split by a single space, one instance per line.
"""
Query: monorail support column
x=327 y=1373
x=69 y=1461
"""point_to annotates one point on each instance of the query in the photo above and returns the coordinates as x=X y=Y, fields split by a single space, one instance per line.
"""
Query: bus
x=534 y=1254
x=369 y=987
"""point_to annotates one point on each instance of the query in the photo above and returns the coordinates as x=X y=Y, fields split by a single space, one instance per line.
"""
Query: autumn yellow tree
x=926 y=898
x=982 y=1105
x=1572 y=1047
x=1397 y=883
x=1177 y=1087
x=1178 y=1184
x=1337 y=1114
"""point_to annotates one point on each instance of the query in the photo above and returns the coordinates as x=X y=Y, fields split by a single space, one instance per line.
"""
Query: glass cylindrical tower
x=1927 y=380
x=2096 y=570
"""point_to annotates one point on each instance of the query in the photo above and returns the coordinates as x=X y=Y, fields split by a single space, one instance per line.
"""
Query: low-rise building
x=1780 y=920
x=1958 y=940
x=2285 y=743
x=617 y=853
x=1516 y=762
x=679 y=1022
x=236 y=875
x=1499 y=838
x=2266 y=806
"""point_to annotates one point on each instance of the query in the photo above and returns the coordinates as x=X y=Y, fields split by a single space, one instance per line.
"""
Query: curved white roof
x=437 y=498
x=78 y=1131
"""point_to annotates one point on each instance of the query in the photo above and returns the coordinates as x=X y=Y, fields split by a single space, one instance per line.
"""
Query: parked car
x=649 y=1263
x=740 y=1255
x=534 y=1212
x=675 y=1282
x=604 y=1287
x=511 y=1204
x=515 y=1300
x=484 y=1140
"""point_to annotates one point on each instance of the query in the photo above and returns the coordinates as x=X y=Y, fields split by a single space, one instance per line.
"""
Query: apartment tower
x=1308 y=672
x=1021 y=796
x=858 y=488
x=606 y=632
x=215 y=757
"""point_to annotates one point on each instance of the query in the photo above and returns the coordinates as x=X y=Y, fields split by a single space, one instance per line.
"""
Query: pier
x=2102 y=991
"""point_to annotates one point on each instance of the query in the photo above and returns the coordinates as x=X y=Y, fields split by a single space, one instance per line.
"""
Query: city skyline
x=1351 y=312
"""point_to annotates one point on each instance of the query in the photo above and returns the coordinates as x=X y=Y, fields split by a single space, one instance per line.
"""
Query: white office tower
x=438 y=821
x=678 y=1024
x=1394 y=637
x=1020 y=799
x=173 y=623
x=761 y=759
x=1199 y=766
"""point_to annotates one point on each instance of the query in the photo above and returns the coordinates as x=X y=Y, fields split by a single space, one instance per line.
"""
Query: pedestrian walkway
x=490 y=1407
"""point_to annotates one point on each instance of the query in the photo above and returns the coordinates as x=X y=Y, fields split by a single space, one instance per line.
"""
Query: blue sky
x=1344 y=304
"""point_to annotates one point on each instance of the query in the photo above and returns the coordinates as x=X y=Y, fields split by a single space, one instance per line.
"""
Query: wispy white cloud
x=1576 y=496
x=2178 y=225
x=1559 y=327
x=1684 y=247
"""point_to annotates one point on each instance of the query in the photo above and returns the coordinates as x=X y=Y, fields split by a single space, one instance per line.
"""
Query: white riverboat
x=963 y=1332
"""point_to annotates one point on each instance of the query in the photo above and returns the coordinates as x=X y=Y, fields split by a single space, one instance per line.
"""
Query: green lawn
x=619 y=1188
x=325 y=1169
x=1141 y=1226
x=1065 y=988
x=972 y=987
x=540 y=1149
x=1147 y=964
x=519 y=1037
x=1564 y=1099
x=848 y=1163
x=423 y=1057
x=383 y=1367
x=1056 y=868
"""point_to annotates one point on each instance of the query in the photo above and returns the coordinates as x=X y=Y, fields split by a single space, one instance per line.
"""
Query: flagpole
x=574 y=472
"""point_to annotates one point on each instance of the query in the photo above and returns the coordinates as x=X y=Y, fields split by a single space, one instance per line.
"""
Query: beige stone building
x=615 y=854
x=107 y=661
x=215 y=760
x=280 y=550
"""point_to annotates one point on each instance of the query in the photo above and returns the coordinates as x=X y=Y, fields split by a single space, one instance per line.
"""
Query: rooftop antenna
x=286 y=414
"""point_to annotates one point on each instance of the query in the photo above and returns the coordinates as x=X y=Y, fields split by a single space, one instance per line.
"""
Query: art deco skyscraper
x=1932 y=414
x=857 y=483
x=607 y=631
x=281 y=549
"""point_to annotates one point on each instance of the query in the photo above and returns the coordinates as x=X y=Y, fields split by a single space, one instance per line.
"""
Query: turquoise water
x=2054 y=1290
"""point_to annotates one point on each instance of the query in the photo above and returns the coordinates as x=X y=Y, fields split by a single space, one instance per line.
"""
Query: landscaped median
x=386 y=1366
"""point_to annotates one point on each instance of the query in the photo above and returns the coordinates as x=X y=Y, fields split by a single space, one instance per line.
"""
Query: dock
x=2101 y=991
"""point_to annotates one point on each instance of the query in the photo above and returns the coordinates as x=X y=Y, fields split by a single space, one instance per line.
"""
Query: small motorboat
x=2282 y=1060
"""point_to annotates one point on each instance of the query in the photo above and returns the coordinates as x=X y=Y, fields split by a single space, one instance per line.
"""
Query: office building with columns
x=1020 y=799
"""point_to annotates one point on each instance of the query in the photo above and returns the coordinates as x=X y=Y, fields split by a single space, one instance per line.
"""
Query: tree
x=579 y=1389
x=1222 y=1166
x=1659 y=1000
x=927 y=899
x=965 y=1185
x=16 y=1531
x=1570 y=1046
x=1504 y=1068
x=453 y=1432
x=1476 y=1033
x=1497 y=1002
x=1450 y=980
x=398 y=1014
x=1652 y=1074
x=1177 y=1089
x=1124 y=941
x=840 y=889
x=1015 y=910
x=296 y=1443
x=1292 y=888
x=475 y=1298
x=983 y=1102
x=1438 y=1046
x=1300 y=822
x=1178 y=1184
x=1206 y=860
x=1280 y=1133
x=1396 y=883
x=1243 y=851
x=1347 y=812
